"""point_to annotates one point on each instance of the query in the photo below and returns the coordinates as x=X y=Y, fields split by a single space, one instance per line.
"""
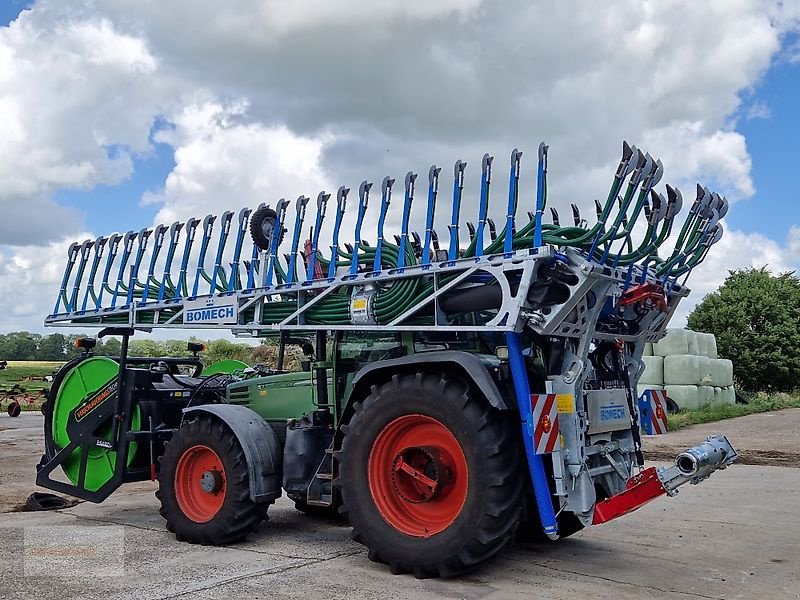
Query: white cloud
x=74 y=107
x=759 y=110
x=692 y=153
x=738 y=250
x=224 y=163
x=272 y=99
x=30 y=278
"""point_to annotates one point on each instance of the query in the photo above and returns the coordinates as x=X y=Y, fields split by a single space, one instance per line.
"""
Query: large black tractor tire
x=204 y=487
x=262 y=227
x=430 y=475
x=672 y=406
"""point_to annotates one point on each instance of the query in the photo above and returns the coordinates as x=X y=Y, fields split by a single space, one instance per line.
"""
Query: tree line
x=755 y=316
x=57 y=347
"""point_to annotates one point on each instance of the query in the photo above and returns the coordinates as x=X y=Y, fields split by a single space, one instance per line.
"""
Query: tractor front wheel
x=204 y=485
x=429 y=475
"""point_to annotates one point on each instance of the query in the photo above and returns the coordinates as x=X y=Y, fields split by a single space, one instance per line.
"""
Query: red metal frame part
x=647 y=291
x=641 y=489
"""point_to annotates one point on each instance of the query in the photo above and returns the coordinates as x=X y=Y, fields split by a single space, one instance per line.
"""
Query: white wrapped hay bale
x=682 y=369
x=728 y=395
x=692 y=344
x=705 y=394
x=721 y=372
x=706 y=370
x=702 y=343
x=653 y=370
x=676 y=342
x=643 y=387
x=648 y=349
x=685 y=396
x=709 y=345
x=712 y=346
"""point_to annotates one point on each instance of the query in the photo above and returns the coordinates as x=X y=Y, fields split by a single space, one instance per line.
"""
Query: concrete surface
x=734 y=536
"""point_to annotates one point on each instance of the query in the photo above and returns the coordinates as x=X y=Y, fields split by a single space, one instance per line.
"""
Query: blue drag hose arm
x=541 y=189
x=541 y=488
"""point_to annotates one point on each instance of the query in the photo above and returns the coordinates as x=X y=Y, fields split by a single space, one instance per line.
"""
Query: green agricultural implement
x=449 y=399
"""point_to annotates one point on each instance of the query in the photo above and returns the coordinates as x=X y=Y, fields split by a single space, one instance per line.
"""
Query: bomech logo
x=207 y=312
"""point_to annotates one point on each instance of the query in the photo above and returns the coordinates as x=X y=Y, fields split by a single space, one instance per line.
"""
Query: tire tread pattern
x=239 y=515
x=495 y=438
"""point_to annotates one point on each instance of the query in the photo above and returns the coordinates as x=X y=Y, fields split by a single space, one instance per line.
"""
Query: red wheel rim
x=417 y=475
x=200 y=483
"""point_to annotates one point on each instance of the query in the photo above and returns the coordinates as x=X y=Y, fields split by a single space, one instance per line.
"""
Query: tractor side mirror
x=86 y=344
x=195 y=347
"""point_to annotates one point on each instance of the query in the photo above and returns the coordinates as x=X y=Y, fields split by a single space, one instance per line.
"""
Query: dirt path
x=771 y=438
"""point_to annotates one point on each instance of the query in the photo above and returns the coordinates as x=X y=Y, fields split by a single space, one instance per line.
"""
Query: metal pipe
x=322 y=203
x=341 y=203
x=541 y=190
x=408 y=199
x=458 y=189
x=386 y=198
x=363 y=202
x=433 y=191
x=709 y=454
x=234 y=277
x=535 y=464
x=513 y=196
x=486 y=180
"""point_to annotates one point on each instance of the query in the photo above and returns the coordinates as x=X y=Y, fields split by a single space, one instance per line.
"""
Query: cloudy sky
x=117 y=114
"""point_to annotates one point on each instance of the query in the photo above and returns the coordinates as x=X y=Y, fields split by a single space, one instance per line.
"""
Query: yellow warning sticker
x=566 y=403
x=359 y=304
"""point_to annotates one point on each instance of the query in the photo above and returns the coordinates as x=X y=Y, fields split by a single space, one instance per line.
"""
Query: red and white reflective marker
x=546 y=434
x=653 y=412
x=658 y=411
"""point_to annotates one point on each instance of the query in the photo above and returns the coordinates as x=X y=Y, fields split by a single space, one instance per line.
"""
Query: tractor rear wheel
x=204 y=487
x=430 y=476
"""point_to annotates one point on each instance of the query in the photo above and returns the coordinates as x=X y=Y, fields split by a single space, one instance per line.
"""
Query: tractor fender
x=258 y=442
x=468 y=365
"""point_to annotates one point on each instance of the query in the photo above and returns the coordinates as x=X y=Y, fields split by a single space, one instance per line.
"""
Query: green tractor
x=446 y=402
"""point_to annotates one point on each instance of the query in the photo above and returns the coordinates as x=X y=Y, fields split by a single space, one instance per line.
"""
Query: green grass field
x=757 y=403
x=28 y=375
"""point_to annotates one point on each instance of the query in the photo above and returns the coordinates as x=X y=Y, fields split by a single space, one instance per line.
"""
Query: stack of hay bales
x=686 y=365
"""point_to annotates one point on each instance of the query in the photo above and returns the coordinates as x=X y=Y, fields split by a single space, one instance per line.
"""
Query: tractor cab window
x=468 y=341
x=356 y=349
x=295 y=354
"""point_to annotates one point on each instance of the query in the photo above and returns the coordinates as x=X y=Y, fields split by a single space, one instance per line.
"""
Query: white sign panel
x=211 y=311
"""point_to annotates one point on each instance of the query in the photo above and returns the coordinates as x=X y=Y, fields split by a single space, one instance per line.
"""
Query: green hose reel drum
x=227 y=366
x=78 y=387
